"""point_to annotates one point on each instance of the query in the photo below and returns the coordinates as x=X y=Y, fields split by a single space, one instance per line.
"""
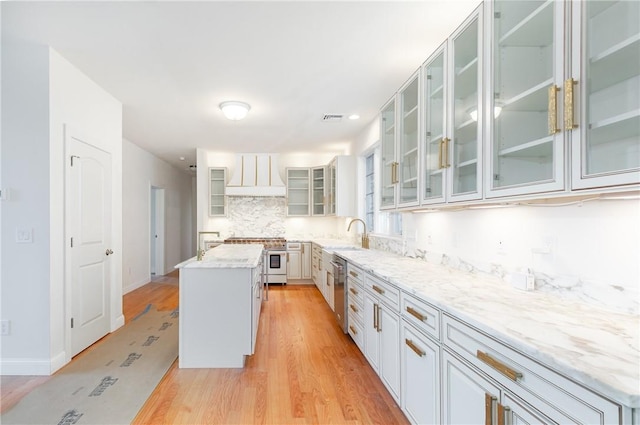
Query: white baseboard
x=17 y=367
x=118 y=323
x=58 y=361
x=134 y=286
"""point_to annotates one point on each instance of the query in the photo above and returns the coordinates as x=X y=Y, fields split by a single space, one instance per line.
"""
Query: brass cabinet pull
x=353 y=330
x=394 y=172
x=375 y=316
x=303 y=248
x=489 y=400
x=553 y=110
x=440 y=155
x=502 y=413
x=416 y=314
x=353 y=307
x=287 y=256
x=352 y=273
x=499 y=366
x=445 y=157
x=414 y=347
x=568 y=104
x=353 y=291
x=379 y=328
x=378 y=289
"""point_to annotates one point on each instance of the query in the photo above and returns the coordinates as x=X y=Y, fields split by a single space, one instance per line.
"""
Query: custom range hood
x=256 y=174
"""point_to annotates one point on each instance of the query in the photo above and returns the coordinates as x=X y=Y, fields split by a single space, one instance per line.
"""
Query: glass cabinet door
x=606 y=52
x=407 y=178
x=526 y=136
x=388 y=156
x=465 y=151
x=297 y=191
x=434 y=166
x=318 y=193
x=217 y=184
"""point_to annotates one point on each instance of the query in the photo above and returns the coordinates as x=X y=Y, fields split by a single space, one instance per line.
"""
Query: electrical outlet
x=501 y=248
x=24 y=235
x=5 y=326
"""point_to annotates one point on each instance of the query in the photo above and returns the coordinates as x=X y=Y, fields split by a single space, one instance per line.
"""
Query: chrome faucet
x=365 y=237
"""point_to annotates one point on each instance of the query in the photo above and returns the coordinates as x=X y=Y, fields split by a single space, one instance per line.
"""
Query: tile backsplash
x=251 y=216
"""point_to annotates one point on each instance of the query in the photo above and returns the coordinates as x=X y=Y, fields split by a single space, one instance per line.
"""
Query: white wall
x=41 y=93
x=141 y=170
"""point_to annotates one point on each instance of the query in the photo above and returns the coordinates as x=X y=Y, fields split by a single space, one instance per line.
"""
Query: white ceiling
x=172 y=63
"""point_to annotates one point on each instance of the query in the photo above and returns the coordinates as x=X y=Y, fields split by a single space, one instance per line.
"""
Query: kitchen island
x=220 y=302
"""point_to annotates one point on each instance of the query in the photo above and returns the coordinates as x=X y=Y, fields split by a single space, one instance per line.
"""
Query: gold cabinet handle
x=353 y=307
x=378 y=289
x=568 y=104
x=379 y=328
x=445 y=153
x=353 y=291
x=303 y=248
x=352 y=273
x=355 y=332
x=553 y=109
x=489 y=400
x=499 y=366
x=416 y=314
x=375 y=316
x=502 y=411
x=441 y=155
x=414 y=347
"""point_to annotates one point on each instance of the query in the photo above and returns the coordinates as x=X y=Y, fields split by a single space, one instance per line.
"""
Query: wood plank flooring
x=304 y=371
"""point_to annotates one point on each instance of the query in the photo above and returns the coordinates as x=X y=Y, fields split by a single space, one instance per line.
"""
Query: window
x=369 y=205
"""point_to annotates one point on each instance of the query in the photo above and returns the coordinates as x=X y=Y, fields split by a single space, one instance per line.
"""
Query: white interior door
x=88 y=230
x=156 y=249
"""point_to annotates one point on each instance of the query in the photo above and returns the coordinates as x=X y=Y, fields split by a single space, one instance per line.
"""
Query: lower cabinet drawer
x=356 y=330
x=558 y=397
x=422 y=315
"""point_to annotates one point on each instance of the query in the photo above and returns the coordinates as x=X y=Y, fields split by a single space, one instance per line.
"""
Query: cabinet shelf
x=534 y=30
x=534 y=99
x=466 y=123
x=437 y=92
x=466 y=81
x=467 y=163
x=391 y=129
x=535 y=148
x=413 y=110
x=436 y=172
x=611 y=66
x=436 y=139
x=619 y=127
x=410 y=152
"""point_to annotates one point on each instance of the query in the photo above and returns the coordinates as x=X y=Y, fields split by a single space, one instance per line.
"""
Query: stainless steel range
x=275 y=261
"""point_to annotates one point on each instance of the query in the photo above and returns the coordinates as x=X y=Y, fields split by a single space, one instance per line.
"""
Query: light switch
x=24 y=235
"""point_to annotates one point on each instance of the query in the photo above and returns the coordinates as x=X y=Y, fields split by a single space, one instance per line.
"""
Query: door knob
x=109 y=252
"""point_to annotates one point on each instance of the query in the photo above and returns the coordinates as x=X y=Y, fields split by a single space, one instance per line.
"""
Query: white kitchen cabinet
x=316 y=265
x=355 y=299
x=420 y=369
x=327 y=280
x=382 y=332
x=605 y=68
x=467 y=397
x=526 y=153
x=294 y=263
x=464 y=152
x=342 y=186
x=318 y=191
x=434 y=167
x=401 y=150
x=298 y=191
x=217 y=184
x=527 y=388
x=306 y=260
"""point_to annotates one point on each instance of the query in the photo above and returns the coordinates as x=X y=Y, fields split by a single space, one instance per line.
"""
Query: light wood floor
x=304 y=371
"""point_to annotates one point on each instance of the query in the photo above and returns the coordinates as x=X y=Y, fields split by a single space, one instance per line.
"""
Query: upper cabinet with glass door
x=217 y=184
x=526 y=153
x=318 y=194
x=298 y=191
x=408 y=145
x=434 y=164
x=464 y=153
x=389 y=165
x=605 y=67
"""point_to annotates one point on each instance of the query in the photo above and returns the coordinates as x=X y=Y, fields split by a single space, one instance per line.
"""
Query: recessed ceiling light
x=182 y=158
x=235 y=110
x=354 y=117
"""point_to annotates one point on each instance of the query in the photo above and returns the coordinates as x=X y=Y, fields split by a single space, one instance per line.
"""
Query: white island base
x=220 y=300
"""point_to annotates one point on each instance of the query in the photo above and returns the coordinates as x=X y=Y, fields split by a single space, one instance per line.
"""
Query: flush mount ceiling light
x=234 y=110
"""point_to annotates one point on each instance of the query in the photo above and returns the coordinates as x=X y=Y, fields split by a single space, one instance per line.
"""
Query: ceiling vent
x=332 y=117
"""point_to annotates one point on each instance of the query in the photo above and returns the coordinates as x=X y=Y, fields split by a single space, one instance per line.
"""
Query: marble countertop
x=334 y=243
x=227 y=256
x=593 y=346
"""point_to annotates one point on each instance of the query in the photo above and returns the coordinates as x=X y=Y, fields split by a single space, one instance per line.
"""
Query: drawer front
x=356 y=309
x=421 y=314
x=294 y=246
x=560 y=397
x=355 y=287
x=356 y=330
x=386 y=292
x=354 y=273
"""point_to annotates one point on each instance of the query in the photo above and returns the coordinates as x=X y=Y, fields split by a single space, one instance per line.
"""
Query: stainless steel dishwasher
x=339 y=294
